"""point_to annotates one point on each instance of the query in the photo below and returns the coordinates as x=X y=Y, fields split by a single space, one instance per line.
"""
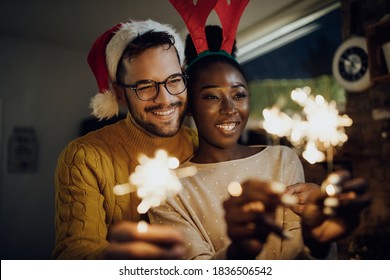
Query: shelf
x=377 y=34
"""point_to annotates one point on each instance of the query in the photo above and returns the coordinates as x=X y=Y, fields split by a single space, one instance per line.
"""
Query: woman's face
x=220 y=105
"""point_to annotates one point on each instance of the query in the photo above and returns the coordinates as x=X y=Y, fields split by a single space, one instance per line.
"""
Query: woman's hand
x=344 y=216
x=250 y=218
x=327 y=220
x=302 y=192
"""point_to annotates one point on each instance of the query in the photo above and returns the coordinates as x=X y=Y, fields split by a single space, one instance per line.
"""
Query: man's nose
x=163 y=95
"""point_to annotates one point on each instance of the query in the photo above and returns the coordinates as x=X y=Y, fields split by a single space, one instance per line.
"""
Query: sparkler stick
x=329 y=158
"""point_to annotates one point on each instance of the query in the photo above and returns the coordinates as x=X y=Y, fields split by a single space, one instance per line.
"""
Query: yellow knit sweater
x=88 y=169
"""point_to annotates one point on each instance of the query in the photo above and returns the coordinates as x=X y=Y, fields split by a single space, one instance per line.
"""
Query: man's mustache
x=160 y=107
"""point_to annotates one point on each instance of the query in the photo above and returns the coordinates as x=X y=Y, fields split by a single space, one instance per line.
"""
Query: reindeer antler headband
x=195 y=17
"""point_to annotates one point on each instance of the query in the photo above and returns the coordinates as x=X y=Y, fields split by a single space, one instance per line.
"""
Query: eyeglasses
x=147 y=90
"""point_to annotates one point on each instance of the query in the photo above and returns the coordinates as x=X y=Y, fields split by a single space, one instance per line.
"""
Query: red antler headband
x=195 y=17
x=229 y=15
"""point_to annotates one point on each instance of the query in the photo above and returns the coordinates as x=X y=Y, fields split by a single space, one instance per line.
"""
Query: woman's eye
x=210 y=97
x=240 y=95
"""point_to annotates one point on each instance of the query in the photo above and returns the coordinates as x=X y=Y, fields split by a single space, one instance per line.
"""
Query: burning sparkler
x=235 y=190
x=320 y=130
x=154 y=180
x=331 y=187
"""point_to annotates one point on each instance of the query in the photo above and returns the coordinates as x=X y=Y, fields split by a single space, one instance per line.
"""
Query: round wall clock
x=350 y=65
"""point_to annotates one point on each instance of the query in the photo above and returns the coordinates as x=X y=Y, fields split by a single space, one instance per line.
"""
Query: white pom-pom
x=104 y=105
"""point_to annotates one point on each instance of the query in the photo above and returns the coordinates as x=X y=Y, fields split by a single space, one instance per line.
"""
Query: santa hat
x=104 y=56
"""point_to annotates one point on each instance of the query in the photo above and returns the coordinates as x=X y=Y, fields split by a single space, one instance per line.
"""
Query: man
x=141 y=60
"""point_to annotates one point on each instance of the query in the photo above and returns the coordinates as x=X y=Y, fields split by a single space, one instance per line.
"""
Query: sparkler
x=318 y=132
x=142 y=226
x=331 y=187
x=154 y=180
x=235 y=190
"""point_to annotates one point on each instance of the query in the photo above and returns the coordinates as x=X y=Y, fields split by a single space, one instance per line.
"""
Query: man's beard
x=159 y=130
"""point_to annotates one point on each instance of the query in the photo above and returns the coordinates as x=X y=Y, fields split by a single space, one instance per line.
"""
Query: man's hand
x=157 y=242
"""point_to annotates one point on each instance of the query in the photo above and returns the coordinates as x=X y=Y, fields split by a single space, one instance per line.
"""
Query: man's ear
x=120 y=94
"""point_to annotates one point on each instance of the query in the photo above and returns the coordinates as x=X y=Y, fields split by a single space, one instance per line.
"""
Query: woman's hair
x=197 y=65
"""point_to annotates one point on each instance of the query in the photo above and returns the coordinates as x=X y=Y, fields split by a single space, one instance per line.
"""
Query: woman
x=219 y=103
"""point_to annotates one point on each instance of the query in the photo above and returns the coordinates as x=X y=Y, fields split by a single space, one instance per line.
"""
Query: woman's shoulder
x=278 y=151
x=280 y=148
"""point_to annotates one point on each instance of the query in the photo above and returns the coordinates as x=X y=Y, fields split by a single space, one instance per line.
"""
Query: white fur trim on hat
x=127 y=33
x=104 y=105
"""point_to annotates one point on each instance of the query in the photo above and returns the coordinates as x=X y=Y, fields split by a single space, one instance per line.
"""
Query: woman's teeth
x=227 y=127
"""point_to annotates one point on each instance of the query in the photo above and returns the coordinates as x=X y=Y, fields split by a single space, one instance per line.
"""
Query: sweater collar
x=177 y=145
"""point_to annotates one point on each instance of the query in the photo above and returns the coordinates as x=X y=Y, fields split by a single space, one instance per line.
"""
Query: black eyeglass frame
x=135 y=85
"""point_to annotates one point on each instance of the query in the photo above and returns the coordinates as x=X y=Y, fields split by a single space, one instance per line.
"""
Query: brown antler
x=195 y=17
x=229 y=15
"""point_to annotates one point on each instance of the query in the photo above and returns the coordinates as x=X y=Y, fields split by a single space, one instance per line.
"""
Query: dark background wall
x=307 y=57
x=368 y=148
x=367 y=152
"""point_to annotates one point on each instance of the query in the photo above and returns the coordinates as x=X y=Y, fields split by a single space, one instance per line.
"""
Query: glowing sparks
x=276 y=122
x=332 y=189
x=312 y=154
x=142 y=226
x=277 y=187
x=321 y=129
x=173 y=163
x=155 y=180
x=331 y=184
x=235 y=189
x=285 y=198
x=254 y=207
x=123 y=189
x=289 y=200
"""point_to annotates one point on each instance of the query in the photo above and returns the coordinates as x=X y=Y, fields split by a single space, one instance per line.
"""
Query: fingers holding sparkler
x=142 y=241
x=300 y=191
x=154 y=180
x=250 y=215
x=344 y=194
x=334 y=211
x=250 y=211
